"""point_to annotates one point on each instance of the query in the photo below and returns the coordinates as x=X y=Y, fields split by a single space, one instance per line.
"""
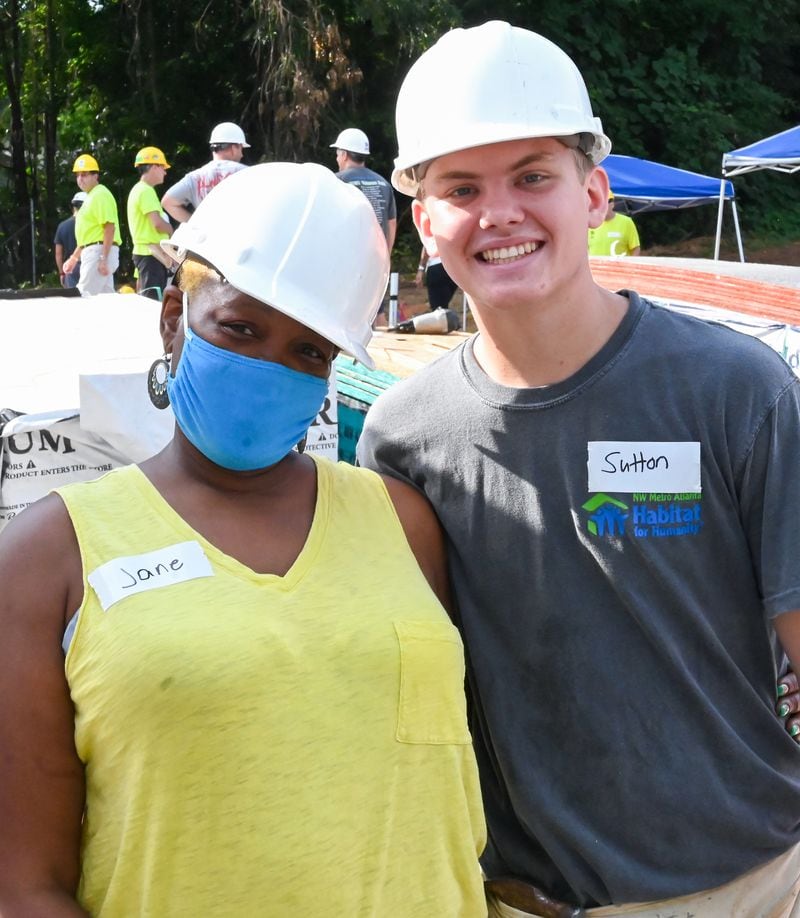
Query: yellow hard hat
x=151 y=156
x=610 y=195
x=86 y=163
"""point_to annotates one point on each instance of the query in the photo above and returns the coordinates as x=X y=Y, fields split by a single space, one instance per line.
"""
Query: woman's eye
x=309 y=350
x=240 y=328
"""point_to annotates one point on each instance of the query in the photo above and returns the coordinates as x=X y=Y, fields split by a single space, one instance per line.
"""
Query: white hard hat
x=487 y=84
x=298 y=239
x=228 y=132
x=79 y=197
x=352 y=140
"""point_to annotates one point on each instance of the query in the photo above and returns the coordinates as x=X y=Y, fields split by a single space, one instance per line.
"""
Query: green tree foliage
x=680 y=83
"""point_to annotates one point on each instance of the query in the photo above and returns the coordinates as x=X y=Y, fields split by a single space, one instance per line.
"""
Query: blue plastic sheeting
x=780 y=152
x=643 y=185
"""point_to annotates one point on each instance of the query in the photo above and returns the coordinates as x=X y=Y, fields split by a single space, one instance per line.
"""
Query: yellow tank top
x=258 y=745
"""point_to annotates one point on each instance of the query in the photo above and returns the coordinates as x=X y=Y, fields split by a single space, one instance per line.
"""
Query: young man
x=228 y=143
x=617 y=234
x=65 y=244
x=620 y=490
x=147 y=224
x=352 y=150
x=96 y=231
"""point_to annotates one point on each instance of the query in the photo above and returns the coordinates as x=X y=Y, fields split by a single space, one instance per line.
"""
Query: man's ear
x=171 y=316
x=597 y=188
x=423 y=224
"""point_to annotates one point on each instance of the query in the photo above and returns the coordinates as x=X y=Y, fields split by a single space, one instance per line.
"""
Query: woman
x=260 y=711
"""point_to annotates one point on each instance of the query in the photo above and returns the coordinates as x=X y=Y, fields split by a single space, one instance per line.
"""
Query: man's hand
x=788 y=703
x=102 y=267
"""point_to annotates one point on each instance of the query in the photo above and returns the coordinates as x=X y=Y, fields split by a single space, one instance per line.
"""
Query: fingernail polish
x=794 y=730
x=783 y=710
x=782 y=690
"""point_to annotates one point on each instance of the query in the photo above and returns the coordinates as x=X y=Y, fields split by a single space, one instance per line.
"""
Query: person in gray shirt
x=352 y=149
x=228 y=143
x=620 y=491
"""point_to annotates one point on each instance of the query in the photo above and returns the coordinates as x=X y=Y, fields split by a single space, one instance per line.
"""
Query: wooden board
x=403 y=355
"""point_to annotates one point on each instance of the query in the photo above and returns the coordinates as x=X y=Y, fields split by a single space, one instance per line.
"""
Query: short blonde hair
x=194 y=275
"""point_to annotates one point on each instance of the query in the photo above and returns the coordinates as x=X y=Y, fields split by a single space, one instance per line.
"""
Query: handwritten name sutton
x=637 y=462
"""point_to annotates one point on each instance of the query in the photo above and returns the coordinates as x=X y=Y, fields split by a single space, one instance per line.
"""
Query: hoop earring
x=157 y=382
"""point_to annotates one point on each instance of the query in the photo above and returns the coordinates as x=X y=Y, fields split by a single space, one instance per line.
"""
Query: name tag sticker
x=632 y=465
x=123 y=577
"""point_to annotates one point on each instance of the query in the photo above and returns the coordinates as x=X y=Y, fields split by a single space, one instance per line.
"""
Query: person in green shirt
x=148 y=224
x=617 y=235
x=96 y=231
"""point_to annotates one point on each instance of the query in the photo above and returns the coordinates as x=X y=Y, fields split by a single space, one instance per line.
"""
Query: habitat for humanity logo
x=606 y=515
x=652 y=516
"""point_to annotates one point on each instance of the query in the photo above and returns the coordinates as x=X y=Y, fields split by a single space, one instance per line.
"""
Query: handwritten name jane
x=637 y=462
x=143 y=574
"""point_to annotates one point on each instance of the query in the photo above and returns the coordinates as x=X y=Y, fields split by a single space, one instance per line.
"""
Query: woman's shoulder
x=40 y=562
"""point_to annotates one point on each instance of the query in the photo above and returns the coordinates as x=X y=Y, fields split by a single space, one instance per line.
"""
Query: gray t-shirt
x=377 y=190
x=622 y=659
x=195 y=185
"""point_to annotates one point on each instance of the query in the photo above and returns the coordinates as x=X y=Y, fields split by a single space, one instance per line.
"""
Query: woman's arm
x=41 y=777
x=424 y=534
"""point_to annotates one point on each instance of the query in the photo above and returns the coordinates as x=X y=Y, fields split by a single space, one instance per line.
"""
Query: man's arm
x=59 y=254
x=72 y=261
x=177 y=198
x=108 y=241
x=159 y=223
x=175 y=209
x=41 y=776
x=391 y=227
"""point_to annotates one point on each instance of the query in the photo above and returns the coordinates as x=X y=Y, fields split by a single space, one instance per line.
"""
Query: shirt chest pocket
x=432 y=707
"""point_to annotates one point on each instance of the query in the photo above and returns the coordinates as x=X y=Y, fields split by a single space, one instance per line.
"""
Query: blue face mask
x=240 y=412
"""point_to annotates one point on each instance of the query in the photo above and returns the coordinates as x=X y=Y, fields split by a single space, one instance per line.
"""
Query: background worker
x=617 y=234
x=619 y=487
x=228 y=143
x=147 y=223
x=352 y=150
x=65 y=244
x=431 y=273
x=272 y=722
x=96 y=231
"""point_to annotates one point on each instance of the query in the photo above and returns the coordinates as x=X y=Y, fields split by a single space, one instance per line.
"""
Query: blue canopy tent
x=780 y=153
x=642 y=186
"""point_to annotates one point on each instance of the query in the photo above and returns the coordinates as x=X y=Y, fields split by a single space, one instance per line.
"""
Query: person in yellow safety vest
x=148 y=224
x=616 y=236
x=96 y=231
